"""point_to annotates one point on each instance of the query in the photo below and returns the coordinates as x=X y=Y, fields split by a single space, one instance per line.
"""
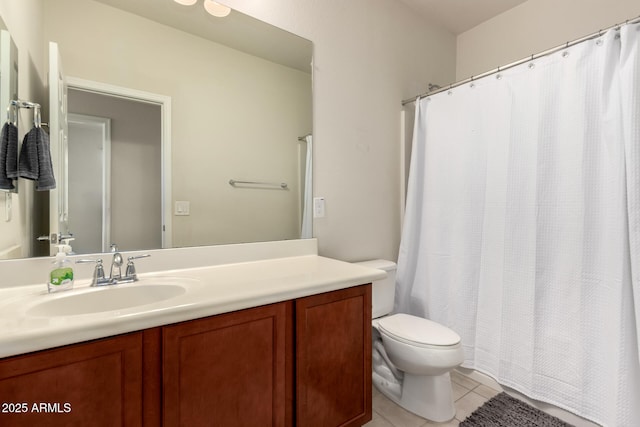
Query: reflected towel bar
x=278 y=185
x=19 y=103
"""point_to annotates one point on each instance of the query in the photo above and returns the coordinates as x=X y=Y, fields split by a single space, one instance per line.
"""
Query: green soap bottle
x=61 y=276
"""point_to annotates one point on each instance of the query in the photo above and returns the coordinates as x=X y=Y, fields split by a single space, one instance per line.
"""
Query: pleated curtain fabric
x=522 y=225
x=307 y=192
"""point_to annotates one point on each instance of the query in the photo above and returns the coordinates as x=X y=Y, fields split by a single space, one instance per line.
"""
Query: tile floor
x=467 y=393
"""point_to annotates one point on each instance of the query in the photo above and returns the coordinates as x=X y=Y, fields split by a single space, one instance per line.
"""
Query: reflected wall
x=234 y=116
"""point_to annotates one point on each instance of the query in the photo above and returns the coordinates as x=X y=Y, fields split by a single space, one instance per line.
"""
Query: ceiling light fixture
x=186 y=2
x=212 y=7
x=216 y=9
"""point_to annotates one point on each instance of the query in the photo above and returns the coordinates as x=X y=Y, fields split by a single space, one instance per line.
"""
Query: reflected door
x=89 y=154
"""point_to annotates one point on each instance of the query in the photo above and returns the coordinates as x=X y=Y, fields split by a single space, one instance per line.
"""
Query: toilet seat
x=417 y=331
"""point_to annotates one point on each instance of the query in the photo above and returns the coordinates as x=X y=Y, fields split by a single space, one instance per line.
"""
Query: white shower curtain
x=307 y=197
x=522 y=226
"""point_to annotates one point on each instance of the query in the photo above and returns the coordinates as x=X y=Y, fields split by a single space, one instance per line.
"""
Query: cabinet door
x=91 y=384
x=333 y=365
x=230 y=370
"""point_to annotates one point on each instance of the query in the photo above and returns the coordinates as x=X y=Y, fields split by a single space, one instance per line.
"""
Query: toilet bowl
x=411 y=356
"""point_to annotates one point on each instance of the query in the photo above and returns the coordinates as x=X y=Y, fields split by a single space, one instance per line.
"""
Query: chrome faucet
x=115 y=277
x=116 y=263
x=98 y=273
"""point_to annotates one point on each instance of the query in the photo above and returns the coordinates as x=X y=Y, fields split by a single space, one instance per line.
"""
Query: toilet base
x=429 y=397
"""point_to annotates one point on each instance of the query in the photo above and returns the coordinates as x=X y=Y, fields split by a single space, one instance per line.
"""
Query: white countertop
x=209 y=291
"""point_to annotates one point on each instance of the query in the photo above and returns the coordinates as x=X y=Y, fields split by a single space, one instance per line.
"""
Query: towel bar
x=279 y=185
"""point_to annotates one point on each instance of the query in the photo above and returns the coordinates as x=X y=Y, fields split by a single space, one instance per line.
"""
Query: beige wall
x=535 y=26
x=22 y=19
x=20 y=231
x=369 y=55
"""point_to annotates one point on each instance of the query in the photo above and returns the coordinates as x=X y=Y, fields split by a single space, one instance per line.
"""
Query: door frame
x=164 y=102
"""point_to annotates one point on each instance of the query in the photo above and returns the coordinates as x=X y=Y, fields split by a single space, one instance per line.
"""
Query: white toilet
x=411 y=356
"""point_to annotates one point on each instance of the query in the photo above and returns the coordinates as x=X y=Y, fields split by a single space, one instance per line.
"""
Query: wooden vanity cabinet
x=98 y=383
x=233 y=369
x=333 y=358
x=305 y=362
x=236 y=369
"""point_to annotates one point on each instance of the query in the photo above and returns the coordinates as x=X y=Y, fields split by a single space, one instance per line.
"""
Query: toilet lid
x=418 y=330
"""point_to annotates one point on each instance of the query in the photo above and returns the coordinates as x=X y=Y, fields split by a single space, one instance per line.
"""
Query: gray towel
x=35 y=159
x=12 y=150
x=8 y=156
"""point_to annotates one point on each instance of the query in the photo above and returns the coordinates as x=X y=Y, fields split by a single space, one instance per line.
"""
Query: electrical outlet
x=318 y=207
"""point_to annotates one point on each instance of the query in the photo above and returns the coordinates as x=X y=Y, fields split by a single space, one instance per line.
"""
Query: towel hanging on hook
x=8 y=156
x=9 y=150
x=34 y=161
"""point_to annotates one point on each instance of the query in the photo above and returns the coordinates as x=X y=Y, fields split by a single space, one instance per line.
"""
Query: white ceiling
x=459 y=16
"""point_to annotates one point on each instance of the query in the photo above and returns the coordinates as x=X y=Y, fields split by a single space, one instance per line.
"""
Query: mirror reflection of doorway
x=89 y=174
x=131 y=213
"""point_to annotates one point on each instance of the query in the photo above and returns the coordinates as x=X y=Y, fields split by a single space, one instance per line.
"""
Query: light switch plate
x=182 y=208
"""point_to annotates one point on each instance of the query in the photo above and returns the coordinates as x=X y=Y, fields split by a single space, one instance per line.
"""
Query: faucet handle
x=131 y=258
x=131 y=268
x=97 y=261
x=98 y=273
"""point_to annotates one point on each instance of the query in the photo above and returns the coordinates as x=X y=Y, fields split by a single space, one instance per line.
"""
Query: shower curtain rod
x=522 y=61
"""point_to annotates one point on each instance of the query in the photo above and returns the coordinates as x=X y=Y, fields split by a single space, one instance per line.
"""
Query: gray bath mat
x=506 y=411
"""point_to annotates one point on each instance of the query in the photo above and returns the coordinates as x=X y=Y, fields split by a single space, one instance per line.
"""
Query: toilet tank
x=383 y=291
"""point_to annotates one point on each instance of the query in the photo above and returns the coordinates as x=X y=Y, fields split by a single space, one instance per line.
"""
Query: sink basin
x=108 y=298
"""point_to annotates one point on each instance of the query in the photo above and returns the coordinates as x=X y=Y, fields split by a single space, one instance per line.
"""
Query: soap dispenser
x=61 y=276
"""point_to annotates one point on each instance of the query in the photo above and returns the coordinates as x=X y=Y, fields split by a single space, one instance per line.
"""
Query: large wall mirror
x=9 y=234
x=175 y=128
